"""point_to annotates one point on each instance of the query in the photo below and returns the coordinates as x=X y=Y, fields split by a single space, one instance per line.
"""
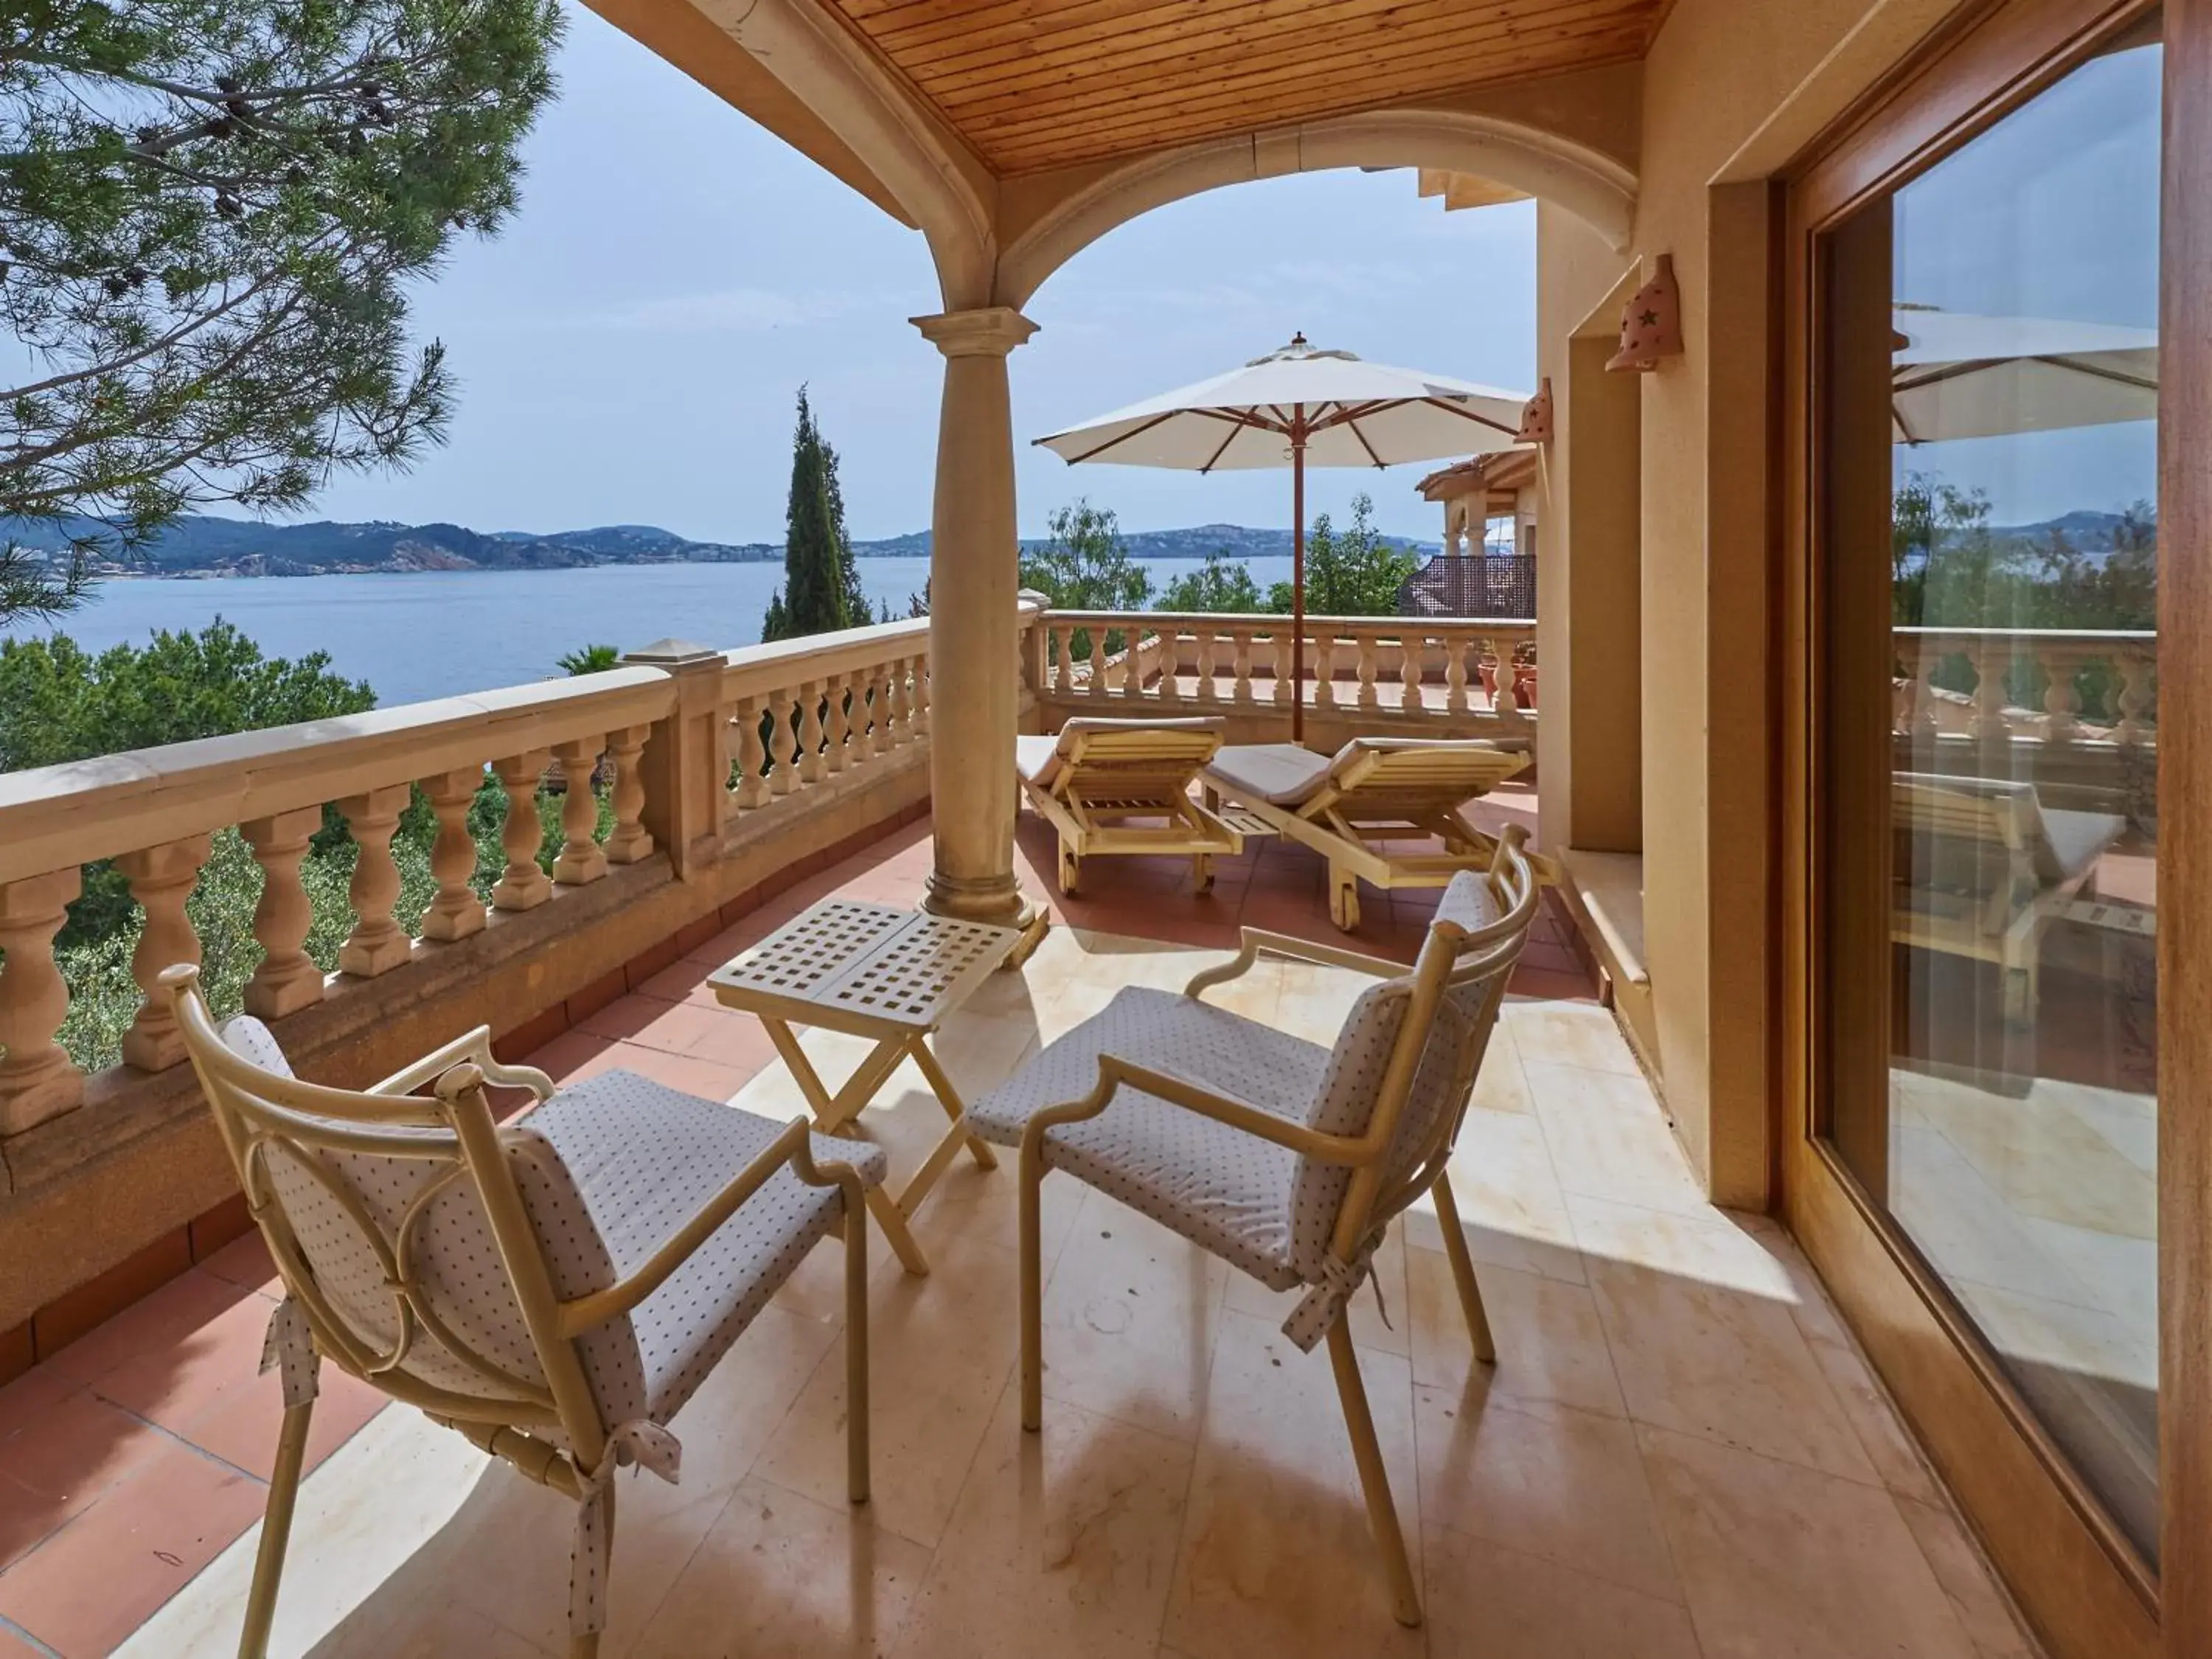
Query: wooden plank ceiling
x=1035 y=84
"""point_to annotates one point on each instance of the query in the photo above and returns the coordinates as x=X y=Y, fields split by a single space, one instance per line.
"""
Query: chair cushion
x=1279 y=774
x=646 y=1158
x=1227 y=1191
x=2073 y=842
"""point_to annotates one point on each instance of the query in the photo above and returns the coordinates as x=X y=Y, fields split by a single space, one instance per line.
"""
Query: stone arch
x=1583 y=181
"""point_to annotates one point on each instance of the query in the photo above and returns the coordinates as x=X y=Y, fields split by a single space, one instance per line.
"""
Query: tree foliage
x=821 y=589
x=210 y=210
x=1351 y=572
x=589 y=659
x=1086 y=566
x=1223 y=585
x=59 y=703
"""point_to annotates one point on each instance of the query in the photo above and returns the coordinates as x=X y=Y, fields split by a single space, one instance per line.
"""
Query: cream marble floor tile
x=2121 y=1273
x=2128 y=1121
x=2041 y=1157
x=1718 y=1246
x=779 y=1574
x=1370 y=1327
x=1502 y=1085
x=940 y=1348
x=1966 y=1578
x=1509 y=1202
x=1316 y=1000
x=1486 y=1601
x=1131 y=1311
x=1551 y=1346
x=1565 y=1485
x=1609 y=1139
x=1569 y=1034
x=1276 y=1557
x=363 y=1515
x=1063 y=1542
x=1719 y=1362
x=1777 y=1559
x=1963 y=1223
x=2061 y=1335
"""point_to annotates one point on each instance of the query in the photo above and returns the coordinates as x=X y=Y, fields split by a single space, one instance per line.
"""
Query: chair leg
x=856 y=1354
x=1201 y=870
x=1374 y=1479
x=1462 y=1266
x=1032 y=1290
x=275 y=1530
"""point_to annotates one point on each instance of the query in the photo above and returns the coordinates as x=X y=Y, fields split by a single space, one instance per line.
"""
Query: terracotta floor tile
x=239 y=1426
x=574 y=1056
x=693 y=1076
x=245 y=1261
x=152 y=1324
x=171 y=1384
x=13 y=1646
x=734 y=1040
x=97 y=1580
x=61 y=1460
x=684 y=982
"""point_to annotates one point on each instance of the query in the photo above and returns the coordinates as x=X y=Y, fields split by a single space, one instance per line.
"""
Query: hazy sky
x=630 y=349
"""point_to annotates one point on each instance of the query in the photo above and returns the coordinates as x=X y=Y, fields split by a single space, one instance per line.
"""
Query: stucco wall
x=1731 y=89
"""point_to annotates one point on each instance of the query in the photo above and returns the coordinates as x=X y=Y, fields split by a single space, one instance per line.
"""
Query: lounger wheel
x=1343 y=901
x=1070 y=870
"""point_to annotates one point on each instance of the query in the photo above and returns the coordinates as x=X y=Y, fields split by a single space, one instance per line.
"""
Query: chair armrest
x=1257 y=940
x=1114 y=1072
x=791 y=1146
x=476 y=1048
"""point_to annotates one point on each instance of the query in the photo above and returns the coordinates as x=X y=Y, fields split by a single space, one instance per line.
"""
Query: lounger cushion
x=1227 y=1191
x=1039 y=759
x=646 y=1158
x=2073 y=842
x=1279 y=774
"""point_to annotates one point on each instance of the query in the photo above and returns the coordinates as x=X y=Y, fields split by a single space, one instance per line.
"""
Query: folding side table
x=871 y=971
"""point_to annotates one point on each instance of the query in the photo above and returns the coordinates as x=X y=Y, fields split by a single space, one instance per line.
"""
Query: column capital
x=986 y=331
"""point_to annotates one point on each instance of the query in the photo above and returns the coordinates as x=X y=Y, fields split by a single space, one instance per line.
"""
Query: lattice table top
x=857 y=967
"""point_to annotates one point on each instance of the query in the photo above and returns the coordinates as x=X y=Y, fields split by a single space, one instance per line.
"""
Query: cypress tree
x=821 y=587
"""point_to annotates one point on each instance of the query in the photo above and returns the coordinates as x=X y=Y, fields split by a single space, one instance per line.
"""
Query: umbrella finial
x=1299 y=341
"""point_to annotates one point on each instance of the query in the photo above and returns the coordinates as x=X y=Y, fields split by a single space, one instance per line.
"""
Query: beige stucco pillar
x=973 y=555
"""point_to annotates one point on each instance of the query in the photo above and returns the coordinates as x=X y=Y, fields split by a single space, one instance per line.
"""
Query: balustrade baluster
x=752 y=757
x=288 y=978
x=1240 y=664
x=1287 y=690
x=1370 y=649
x=1455 y=646
x=630 y=841
x=1203 y=660
x=836 y=725
x=1060 y=643
x=377 y=943
x=782 y=746
x=920 y=713
x=581 y=859
x=161 y=879
x=1412 y=653
x=1990 y=664
x=456 y=912
x=1324 y=661
x=810 y=733
x=1927 y=702
x=38 y=1079
x=2061 y=702
x=2134 y=667
x=523 y=886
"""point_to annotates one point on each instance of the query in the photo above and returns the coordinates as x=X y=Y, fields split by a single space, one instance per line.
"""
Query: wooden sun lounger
x=1123 y=786
x=1347 y=806
x=1983 y=868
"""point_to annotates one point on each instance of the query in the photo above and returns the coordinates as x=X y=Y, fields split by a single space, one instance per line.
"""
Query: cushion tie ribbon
x=646 y=1444
x=290 y=1347
x=1325 y=1300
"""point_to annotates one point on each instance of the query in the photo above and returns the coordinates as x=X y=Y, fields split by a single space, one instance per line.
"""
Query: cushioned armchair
x=554 y=1288
x=1287 y=1160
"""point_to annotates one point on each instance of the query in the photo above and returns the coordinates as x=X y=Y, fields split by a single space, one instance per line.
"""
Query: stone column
x=972 y=651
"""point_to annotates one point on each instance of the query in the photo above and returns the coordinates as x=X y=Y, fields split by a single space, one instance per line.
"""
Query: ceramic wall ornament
x=1651 y=327
x=1536 y=416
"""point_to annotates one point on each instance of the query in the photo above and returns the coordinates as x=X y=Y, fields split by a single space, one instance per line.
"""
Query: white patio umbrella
x=1302 y=407
x=1957 y=375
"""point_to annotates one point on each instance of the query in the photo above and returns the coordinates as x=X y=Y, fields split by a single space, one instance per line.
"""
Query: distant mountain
x=204 y=545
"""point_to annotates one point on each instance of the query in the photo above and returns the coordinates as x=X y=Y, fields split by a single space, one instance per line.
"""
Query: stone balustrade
x=695 y=741
x=1474 y=676
x=1957 y=686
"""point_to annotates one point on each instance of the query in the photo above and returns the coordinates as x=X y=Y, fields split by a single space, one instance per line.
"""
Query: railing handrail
x=1261 y=620
x=2064 y=636
x=748 y=669
x=82 y=811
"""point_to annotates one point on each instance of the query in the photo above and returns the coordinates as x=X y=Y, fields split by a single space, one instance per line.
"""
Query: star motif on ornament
x=1649 y=318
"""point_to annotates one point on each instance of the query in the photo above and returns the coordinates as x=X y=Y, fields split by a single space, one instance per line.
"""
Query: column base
x=999 y=901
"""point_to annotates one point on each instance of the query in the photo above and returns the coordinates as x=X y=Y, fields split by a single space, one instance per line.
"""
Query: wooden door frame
x=2089 y=1593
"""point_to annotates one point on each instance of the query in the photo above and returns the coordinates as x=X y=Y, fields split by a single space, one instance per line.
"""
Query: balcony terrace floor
x=1681 y=1452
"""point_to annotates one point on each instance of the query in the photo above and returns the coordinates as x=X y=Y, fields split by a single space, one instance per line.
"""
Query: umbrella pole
x=1299 y=576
